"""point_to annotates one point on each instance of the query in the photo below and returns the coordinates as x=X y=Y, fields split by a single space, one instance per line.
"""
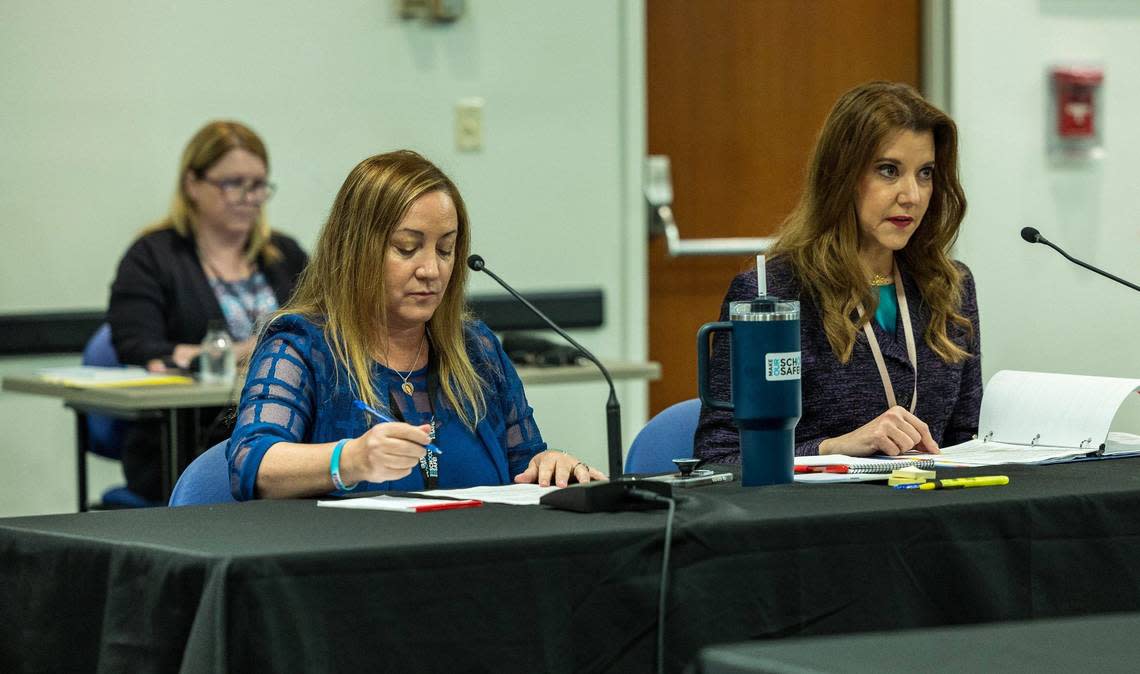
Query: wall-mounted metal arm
x=659 y=195
x=720 y=246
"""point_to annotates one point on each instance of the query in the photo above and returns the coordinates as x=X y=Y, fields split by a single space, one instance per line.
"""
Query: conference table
x=288 y=586
x=177 y=408
x=1104 y=644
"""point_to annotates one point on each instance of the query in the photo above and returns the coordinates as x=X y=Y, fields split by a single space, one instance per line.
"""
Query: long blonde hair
x=206 y=148
x=821 y=236
x=343 y=284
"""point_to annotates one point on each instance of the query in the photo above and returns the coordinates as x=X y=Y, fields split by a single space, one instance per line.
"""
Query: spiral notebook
x=877 y=466
x=855 y=469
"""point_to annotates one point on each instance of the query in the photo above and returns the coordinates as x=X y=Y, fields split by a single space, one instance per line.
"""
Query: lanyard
x=908 y=332
x=429 y=464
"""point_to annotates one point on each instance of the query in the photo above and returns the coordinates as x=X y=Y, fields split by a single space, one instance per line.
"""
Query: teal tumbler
x=764 y=339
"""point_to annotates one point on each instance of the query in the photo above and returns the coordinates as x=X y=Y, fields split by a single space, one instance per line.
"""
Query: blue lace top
x=296 y=392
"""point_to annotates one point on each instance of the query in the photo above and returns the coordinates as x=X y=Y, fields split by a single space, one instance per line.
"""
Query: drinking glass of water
x=216 y=362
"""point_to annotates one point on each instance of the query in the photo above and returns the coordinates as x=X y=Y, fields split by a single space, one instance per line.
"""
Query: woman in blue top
x=379 y=316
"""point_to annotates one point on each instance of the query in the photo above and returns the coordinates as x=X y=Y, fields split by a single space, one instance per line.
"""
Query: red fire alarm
x=1076 y=93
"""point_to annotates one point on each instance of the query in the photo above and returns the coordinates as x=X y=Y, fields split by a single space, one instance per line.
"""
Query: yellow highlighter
x=959 y=483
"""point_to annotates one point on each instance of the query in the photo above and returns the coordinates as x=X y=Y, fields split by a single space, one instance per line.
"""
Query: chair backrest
x=105 y=434
x=206 y=480
x=667 y=436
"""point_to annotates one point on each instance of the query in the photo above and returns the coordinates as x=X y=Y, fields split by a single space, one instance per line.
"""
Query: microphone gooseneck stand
x=1031 y=235
x=613 y=409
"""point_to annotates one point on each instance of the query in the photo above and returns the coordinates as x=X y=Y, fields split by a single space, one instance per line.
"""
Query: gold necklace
x=407 y=386
x=880 y=280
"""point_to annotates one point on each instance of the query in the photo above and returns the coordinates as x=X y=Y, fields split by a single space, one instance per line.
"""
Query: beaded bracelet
x=334 y=468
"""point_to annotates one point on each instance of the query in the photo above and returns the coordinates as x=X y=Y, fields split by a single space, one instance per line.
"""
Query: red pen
x=837 y=468
x=450 y=505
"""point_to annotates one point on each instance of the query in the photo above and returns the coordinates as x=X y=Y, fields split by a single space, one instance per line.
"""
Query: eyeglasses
x=237 y=190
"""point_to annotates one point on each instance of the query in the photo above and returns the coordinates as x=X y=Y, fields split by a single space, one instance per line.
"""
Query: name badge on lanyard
x=911 y=352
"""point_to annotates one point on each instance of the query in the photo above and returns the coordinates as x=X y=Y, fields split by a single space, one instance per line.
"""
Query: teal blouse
x=888 y=312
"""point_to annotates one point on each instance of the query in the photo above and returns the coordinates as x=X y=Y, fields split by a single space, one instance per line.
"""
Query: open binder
x=1040 y=417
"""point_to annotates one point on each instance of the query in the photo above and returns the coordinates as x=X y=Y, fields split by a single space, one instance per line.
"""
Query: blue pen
x=360 y=404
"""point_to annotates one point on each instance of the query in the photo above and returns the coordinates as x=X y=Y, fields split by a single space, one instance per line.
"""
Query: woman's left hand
x=557 y=466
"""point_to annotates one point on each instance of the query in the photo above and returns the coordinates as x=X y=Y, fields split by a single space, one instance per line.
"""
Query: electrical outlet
x=469 y=125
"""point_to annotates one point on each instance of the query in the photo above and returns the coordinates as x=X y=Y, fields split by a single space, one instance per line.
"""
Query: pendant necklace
x=407 y=386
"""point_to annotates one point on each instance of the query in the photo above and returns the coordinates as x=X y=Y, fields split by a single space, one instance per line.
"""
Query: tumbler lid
x=764 y=308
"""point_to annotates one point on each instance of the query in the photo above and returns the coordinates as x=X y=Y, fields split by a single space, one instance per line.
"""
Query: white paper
x=978 y=453
x=94 y=376
x=93 y=373
x=511 y=494
x=817 y=478
x=1122 y=443
x=827 y=460
x=844 y=460
x=405 y=504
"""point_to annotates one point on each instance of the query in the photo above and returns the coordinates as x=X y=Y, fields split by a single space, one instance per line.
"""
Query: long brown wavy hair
x=821 y=236
x=206 y=148
x=343 y=285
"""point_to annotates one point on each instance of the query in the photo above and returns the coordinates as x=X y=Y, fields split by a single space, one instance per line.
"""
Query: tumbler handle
x=703 y=339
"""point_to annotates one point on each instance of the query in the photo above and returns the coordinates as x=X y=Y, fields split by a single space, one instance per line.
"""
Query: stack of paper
x=511 y=494
x=91 y=376
x=403 y=504
x=861 y=469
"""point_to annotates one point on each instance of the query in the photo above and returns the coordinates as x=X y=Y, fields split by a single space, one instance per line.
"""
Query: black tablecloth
x=1102 y=643
x=288 y=586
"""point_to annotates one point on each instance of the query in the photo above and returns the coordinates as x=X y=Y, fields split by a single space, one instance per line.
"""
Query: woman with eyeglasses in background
x=212 y=258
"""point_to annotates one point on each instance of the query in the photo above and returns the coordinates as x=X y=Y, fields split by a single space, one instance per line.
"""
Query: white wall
x=1040 y=312
x=98 y=99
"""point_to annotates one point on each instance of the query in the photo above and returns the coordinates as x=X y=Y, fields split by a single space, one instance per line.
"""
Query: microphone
x=1031 y=235
x=613 y=409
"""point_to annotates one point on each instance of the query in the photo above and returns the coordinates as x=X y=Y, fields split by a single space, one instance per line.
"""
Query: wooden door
x=737 y=90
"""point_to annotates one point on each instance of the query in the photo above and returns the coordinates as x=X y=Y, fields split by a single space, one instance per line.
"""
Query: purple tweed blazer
x=839 y=398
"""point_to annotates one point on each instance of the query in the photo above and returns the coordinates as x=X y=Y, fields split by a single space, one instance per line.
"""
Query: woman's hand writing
x=892 y=433
x=387 y=451
x=556 y=465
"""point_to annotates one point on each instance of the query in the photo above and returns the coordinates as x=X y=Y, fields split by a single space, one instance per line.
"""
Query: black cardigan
x=161 y=297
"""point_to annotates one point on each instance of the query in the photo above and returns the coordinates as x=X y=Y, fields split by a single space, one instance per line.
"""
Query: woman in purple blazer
x=890 y=341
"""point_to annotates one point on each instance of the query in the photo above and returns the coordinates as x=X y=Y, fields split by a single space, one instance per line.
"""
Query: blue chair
x=206 y=480
x=105 y=434
x=667 y=436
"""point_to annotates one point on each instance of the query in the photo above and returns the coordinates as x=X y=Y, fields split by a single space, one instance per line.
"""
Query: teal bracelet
x=334 y=468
